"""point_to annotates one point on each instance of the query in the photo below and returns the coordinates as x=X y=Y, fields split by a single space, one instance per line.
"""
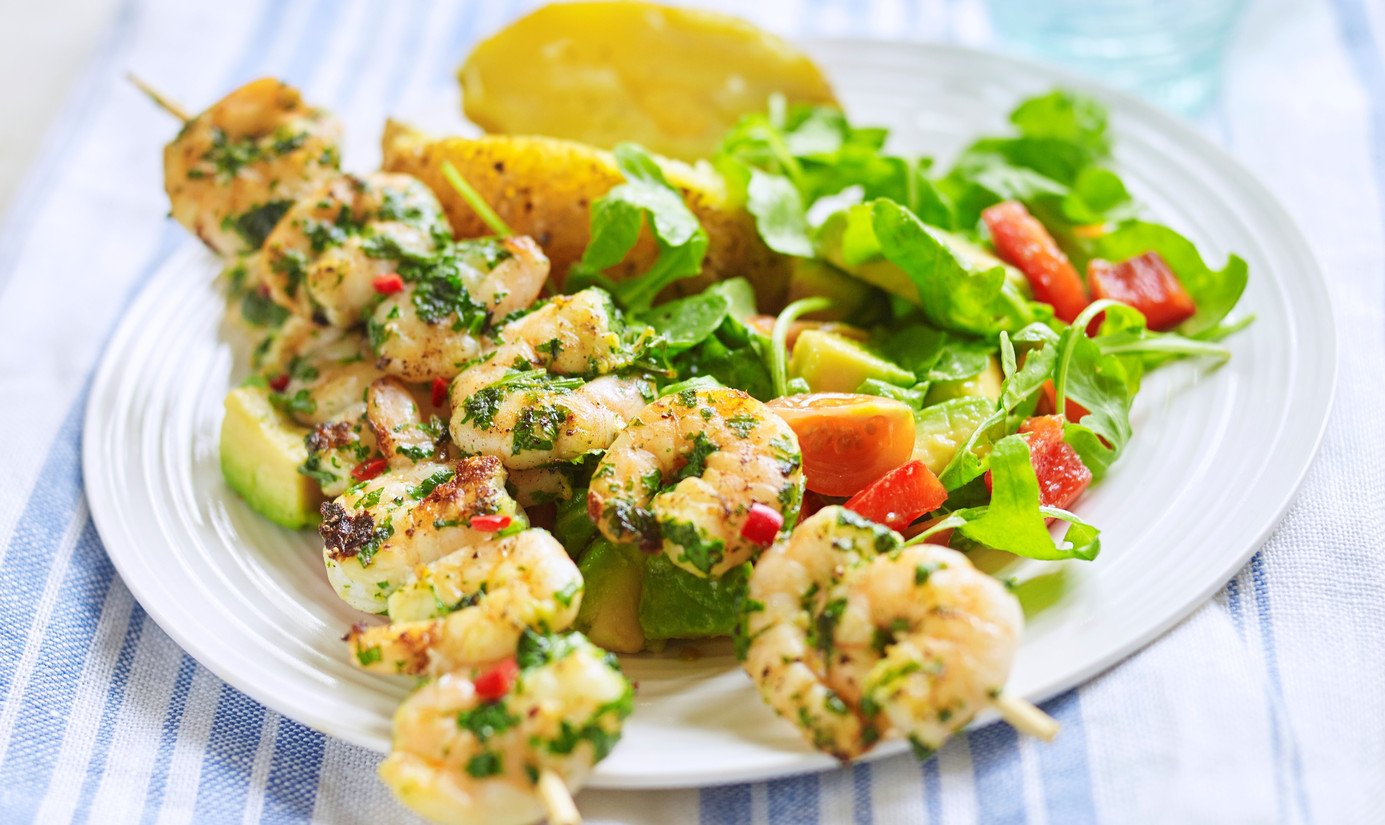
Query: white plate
x=1216 y=459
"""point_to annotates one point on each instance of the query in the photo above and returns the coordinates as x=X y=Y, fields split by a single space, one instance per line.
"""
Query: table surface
x=1265 y=705
x=47 y=44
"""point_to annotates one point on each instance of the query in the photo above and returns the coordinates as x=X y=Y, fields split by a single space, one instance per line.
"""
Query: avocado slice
x=985 y=384
x=852 y=298
x=940 y=429
x=609 y=615
x=831 y=363
x=846 y=253
x=573 y=528
x=261 y=451
x=677 y=604
x=979 y=258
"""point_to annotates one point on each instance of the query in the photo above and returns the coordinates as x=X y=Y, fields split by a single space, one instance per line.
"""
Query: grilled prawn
x=468 y=608
x=685 y=474
x=475 y=748
x=853 y=636
x=234 y=170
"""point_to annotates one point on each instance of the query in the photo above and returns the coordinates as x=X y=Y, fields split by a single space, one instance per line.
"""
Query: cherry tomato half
x=848 y=440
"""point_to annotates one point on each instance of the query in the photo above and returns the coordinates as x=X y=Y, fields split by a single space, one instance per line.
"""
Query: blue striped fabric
x=1264 y=706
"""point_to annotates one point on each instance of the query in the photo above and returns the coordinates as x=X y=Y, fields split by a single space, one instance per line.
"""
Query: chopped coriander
x=487 y=720
x=427 y=485
x=484 y=764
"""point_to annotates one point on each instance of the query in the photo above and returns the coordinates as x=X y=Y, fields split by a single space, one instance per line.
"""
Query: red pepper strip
x=1059 y=470
x=1020 y=240
x=368 y=469
x=439 y=391
x=489 y=524
x=388 y=284
x=900 y=496
x=1146 y=283
x=492 y=685
x=279 y=382
x=762 y=524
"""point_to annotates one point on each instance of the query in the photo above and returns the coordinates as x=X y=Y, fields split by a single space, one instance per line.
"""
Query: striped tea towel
x=1266 y=705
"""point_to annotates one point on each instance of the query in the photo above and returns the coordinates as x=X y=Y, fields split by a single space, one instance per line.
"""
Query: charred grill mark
x=415 y=646
x=410 y=651
x=330 y=436
x=476 y=488
x=345 y=534
x=478 y=471
x=478 y=478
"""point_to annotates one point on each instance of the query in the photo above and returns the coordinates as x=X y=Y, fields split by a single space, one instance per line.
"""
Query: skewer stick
x=558 y=800
x=159 y=100
x=1025 y=717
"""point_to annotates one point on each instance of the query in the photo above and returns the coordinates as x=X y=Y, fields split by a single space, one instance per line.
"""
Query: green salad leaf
x=1055 y=166
x=1015 y=391
x=646 y=198
x=706 y=336
x=1096 y=196
x=779 y=214
x=952 y=294
x=699 y=382
x=933 y=354
x=1014 y=521
x=1064 y=115
x=739 y=295
x=686 y=322
x=775 y=203
x=734 y=356
x=815 y=152
x=1101 y=384
x=1215 y=291
x=913 y=396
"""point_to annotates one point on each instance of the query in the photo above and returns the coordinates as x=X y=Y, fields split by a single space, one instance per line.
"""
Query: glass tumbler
x=1169 y=51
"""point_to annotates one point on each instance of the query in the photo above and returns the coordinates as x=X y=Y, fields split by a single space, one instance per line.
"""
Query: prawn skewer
x=520 y=714
x=1025 y=717
x=506 y=745
x=471 y=607
x=855 y=636
x=233 y=170
x=549 y=393
x=158 y=97
x=688 y=473
x=558 y=800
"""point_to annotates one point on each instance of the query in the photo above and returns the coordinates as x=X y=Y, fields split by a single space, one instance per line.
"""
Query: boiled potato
x=543 y=187
x=670 y=79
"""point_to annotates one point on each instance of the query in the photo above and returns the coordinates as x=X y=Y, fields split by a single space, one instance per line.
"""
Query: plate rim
x=104 y=510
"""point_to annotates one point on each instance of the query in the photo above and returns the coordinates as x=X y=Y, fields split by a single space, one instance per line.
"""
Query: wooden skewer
x=1025 y=717
x=558 y=800
x=159 y=100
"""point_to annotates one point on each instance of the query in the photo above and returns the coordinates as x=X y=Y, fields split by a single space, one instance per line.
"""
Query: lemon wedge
x=671 y=79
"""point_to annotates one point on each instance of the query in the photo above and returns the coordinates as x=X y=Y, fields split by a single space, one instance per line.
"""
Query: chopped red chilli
x=388 y=284
x=762 y=524
x=279 y=382
x=490 y=524
x=492 y=685
x=368 y=469
x=439 y=391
